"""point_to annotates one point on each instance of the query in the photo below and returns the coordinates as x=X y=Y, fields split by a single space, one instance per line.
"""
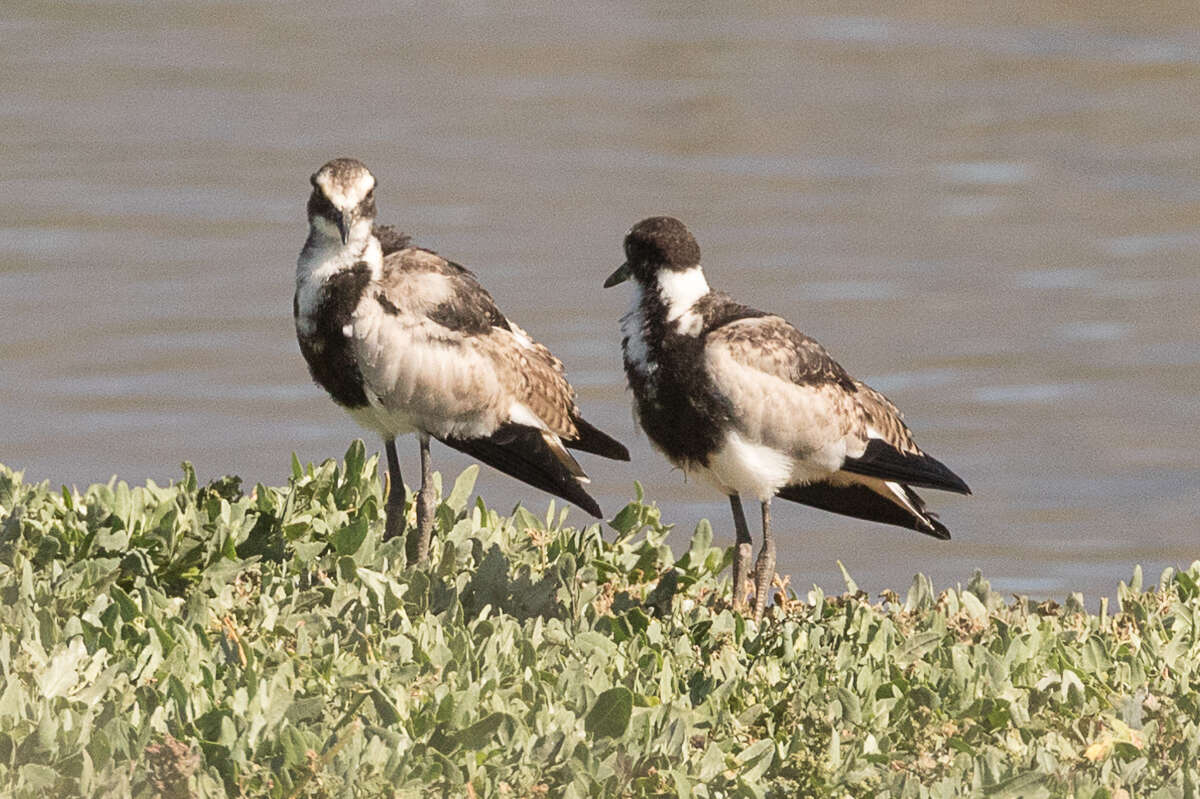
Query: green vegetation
x=200 y=641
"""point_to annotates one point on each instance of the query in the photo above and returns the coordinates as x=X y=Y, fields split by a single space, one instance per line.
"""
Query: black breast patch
x=327 y=349
x=677 y=404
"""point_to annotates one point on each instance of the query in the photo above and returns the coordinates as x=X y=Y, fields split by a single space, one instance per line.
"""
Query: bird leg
x=741 y=552
x=418 y=545
x=764 y=567
x=394 y=488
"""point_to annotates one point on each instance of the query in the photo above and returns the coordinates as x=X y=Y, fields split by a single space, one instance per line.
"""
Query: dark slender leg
x=741 y=552
x=394 y=525
x=418 y=546
x=764 y=567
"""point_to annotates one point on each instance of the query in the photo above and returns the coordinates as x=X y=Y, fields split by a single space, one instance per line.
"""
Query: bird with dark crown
x=746 y=401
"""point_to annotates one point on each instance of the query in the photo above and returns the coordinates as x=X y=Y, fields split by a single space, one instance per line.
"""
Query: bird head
x=654 y=247
x=342 y=203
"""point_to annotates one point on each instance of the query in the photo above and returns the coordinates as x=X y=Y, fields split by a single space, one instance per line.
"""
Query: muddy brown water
x=992 y=216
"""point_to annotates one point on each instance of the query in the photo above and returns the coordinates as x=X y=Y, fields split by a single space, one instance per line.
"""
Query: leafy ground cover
x=203 y=640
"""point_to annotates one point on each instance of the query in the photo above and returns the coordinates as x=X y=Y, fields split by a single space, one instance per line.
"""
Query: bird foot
x=764 y=574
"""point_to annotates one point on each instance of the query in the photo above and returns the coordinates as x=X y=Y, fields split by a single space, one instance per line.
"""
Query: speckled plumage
x=438 y=355
x=716 y=375
x=408 y=341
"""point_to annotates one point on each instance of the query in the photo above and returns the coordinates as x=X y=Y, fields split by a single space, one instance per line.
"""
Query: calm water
x=994 y=219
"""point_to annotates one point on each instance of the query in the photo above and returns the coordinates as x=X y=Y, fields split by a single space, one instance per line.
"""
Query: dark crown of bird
x=657 y=243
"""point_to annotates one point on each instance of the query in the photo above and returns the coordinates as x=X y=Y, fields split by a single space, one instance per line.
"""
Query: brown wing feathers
x=530 y=372
x=771 y=345
x=894 y=455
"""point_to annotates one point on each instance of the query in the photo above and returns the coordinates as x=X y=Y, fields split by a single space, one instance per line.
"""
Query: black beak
x=344 y=223
x=622 y=274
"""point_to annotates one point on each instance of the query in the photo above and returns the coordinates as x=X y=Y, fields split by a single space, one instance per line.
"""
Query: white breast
x=745 y=467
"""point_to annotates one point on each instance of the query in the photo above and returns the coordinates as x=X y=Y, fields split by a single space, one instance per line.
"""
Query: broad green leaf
x=463 y=486
x=756 y=758
x=481 y=732
x=348 y=539
x=609 y=716
x=917 y=646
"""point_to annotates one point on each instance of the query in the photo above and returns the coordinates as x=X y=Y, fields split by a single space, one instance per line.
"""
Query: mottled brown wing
x=829 y=403
x=771 y=345
x=782 y=386
x=885 y=418
x=536 y=377
x=421 y=281
x=539 y=379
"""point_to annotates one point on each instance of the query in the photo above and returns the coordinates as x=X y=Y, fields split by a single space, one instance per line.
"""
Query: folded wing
x=439 y=356
x=790 y=394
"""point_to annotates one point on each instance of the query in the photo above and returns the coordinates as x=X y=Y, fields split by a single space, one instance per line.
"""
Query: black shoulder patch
x=390 y=239
x=388 y=305
x=717 y=309
x=471 y=310
x=467 y=317
x=327 y=350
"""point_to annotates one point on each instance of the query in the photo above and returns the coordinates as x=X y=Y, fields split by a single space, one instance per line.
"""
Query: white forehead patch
x=346 y=193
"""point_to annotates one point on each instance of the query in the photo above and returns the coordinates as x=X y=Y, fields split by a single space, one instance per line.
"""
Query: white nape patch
x=348 y=330
x=873 y=433
x=346 y=195
x=679 y=292
x=746 y=467
x=690 y=324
